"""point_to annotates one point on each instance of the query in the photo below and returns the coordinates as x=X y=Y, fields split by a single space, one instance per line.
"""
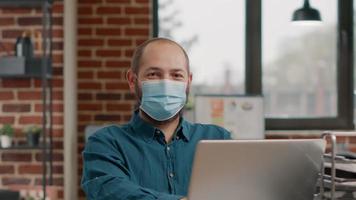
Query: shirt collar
x=147 y=131
x=185 y=127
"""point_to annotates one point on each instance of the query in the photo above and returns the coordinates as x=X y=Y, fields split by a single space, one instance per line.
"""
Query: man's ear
x=190 y=79
x=131 y=80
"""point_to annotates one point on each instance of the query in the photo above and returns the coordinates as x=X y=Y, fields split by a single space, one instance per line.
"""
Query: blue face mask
x=163 y=99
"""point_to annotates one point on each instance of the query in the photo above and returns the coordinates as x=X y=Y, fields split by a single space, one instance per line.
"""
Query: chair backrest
x=9 y=195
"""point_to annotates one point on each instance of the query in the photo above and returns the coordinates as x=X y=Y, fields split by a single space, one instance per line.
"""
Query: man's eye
x=152 y=74
x=178 y=76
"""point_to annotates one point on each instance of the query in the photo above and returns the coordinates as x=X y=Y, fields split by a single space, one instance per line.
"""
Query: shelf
x=24 y=76
x=340 y=159
x=22 y=147
x=23 y=3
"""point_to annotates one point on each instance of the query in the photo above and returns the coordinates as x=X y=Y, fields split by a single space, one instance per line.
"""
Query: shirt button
x=171 y=175
x=168 y=148
x=177 y=138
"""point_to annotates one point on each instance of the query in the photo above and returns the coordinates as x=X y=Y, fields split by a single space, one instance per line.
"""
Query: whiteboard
x=243 y=116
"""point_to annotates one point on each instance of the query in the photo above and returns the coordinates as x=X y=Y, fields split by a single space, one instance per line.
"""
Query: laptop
x=256 y=169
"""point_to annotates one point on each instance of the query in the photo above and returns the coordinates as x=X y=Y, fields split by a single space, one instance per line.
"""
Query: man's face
x=161 y=60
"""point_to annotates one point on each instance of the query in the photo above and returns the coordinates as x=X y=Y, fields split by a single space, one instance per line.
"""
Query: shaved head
x=140 y=50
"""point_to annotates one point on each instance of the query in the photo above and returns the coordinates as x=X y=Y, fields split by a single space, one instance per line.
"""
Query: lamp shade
x=306 y=13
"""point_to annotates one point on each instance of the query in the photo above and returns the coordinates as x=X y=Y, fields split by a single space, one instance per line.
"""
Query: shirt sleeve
x=226 y=135
x=105 y=176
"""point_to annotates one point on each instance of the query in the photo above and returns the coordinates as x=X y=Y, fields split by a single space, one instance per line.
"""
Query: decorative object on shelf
x=33 y=133
x=38 y=41
x=6 y=134
x=23 y=46
x=32 y=195
x=24 y=62
x=12 y=65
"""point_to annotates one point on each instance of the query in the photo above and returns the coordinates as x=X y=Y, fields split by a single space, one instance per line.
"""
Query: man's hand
x=185 y=198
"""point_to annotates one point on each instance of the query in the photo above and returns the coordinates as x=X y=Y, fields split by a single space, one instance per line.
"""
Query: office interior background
x=305 y=72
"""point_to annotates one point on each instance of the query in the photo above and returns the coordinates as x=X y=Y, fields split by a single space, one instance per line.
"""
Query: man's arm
x=105 y=176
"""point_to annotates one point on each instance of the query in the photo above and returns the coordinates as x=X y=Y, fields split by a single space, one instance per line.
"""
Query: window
x=299 y=60
x=213 y=34
x=335 y=110
x=304 y=73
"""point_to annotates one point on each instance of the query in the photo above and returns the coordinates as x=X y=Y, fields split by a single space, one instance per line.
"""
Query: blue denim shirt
x=133 y=161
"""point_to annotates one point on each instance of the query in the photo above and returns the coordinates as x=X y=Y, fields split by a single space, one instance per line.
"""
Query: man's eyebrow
x=153 y=68
x=178 y=70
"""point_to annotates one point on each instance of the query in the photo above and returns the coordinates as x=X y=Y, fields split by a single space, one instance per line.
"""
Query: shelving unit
x=24 y=3
x=22 y=147
x=45 y=77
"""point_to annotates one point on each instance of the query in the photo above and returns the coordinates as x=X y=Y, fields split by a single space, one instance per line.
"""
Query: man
x=151 y=156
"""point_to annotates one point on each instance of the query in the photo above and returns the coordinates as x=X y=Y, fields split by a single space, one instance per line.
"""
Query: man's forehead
x=162 y=45
x=164 y=50
x=160 y=52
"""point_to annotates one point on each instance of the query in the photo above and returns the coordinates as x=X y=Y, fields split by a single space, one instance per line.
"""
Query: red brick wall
x=108 y=32
x=20 y=100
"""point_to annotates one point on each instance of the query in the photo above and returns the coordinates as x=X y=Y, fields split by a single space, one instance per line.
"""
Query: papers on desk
x=345 y=180
x=342 y=163
x=349 y=168
x=339 y=195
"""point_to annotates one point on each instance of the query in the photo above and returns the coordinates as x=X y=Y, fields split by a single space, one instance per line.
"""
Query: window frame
x=253 y=68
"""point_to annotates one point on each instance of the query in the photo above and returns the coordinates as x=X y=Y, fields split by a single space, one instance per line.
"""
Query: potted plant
x=6 y=134
x=33 y=133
